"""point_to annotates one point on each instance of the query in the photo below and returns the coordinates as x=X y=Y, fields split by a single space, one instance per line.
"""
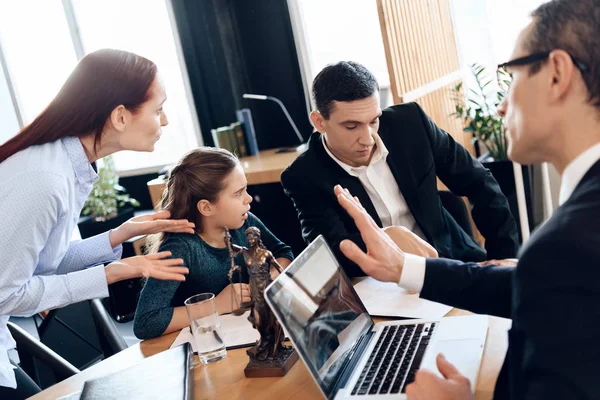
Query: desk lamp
x=303 y=145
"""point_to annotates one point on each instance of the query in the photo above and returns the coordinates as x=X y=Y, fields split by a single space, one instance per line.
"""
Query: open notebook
x=236 y=332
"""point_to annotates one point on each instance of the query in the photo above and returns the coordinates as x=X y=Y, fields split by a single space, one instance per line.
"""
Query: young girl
x=207 y=187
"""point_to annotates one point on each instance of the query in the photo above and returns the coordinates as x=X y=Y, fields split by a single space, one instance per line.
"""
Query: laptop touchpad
x=465 y=354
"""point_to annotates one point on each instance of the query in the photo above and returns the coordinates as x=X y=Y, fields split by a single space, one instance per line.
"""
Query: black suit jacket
x=418 y=152
x=552 y=296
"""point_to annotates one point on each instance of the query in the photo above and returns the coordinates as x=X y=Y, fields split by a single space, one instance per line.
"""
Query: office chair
x=457 y=209
x=29 y=348
x=92 y=343
x=123 y=296
x=110 y=339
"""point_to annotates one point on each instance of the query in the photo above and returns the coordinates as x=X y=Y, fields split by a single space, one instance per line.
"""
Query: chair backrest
x=457 y=209
x=111 y=340
x=28 y=346
x=124 y=295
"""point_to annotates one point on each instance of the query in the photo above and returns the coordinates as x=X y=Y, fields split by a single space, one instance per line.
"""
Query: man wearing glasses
x=552 y=114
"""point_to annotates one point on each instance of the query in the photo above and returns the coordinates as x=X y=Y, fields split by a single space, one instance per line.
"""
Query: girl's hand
x=224 y=299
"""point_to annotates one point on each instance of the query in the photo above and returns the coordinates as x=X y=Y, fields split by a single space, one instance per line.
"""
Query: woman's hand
x=157 y=266
x=224 y=299
x=149 y=224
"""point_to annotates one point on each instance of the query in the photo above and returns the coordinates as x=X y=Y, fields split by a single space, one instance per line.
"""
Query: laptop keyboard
x=394 y=360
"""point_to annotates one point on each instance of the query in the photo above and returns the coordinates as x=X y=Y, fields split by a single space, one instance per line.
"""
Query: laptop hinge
x=353 y=359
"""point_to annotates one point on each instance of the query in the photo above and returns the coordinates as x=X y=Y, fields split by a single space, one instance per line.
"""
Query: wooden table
x=265 y=167
x=225 y=379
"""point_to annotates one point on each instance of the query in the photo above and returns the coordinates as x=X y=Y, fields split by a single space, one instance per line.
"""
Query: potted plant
x=479 y=112
x=107 y=206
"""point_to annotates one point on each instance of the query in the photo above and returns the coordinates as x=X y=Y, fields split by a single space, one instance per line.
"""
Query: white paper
x=387 y=299
x=235 y=330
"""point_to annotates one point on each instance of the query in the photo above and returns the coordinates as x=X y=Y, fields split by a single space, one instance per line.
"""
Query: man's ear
x=119 y=118
x=205 y=208
x=563 y=71
x=317 y=120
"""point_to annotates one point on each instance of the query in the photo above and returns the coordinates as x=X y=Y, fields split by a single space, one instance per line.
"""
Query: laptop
x=347 y=354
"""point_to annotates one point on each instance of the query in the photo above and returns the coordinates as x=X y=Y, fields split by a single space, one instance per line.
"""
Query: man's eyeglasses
x=504 y=77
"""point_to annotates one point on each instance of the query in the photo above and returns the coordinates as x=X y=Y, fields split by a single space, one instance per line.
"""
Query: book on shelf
x=245 y=117
x=231 y=138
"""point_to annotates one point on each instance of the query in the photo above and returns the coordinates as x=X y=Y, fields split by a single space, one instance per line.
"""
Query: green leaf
x=478 y=110
x=475 y=103
x=106 y=193
x=474 y=93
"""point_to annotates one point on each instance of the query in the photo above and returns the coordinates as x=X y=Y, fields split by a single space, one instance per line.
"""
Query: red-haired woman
x=111 y=102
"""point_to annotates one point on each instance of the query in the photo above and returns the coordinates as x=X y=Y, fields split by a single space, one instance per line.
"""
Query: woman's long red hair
x=100 y=82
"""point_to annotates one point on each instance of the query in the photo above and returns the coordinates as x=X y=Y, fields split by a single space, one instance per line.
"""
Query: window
x=339 y=30
x=335 y=30
x=149 y=34
x=487 y=30
x=40 y=53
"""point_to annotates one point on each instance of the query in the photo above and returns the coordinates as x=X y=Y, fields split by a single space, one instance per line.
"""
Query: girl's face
x=233 y=204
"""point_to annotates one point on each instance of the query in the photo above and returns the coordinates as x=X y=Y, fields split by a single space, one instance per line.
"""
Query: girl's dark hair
x=199 y=175
x=101 y=82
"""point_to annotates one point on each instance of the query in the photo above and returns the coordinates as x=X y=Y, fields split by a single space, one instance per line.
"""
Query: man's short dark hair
x=572 y=26
x=344 y=81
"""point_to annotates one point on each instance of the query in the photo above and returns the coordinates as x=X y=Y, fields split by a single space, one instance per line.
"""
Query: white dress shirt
x=43 y=191
x=382 y=188
x=413 y=272
x=575 y=171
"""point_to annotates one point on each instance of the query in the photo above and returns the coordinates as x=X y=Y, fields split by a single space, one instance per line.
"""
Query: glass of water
x=206 y=328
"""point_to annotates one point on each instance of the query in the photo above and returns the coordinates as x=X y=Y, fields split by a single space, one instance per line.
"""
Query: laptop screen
x=322 y=314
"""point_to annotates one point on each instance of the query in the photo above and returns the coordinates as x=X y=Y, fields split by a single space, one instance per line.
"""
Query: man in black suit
x=552 y=113
x=390 y=159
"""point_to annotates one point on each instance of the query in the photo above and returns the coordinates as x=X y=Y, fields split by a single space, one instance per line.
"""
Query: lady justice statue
x=268 y=357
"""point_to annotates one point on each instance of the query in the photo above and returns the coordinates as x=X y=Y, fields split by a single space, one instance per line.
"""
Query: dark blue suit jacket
x=552 y=296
